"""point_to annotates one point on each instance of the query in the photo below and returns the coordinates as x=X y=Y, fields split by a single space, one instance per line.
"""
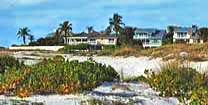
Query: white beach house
x=149 y=37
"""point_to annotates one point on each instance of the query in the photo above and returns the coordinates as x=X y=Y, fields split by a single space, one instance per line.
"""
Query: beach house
x=149 y=37
x=94 y=38
x=186 y=35
x=73 y=39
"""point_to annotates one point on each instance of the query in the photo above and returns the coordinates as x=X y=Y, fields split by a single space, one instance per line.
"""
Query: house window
x=111 y=40
x=84 y=40
x=78 y=40
x=92 y=41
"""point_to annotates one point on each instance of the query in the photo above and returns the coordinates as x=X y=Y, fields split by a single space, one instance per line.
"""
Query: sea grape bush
x=7 y=62
x=74 y=48
x=56 y=76
x=184 y=83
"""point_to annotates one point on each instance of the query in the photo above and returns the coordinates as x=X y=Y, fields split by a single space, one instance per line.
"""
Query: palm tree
x=90 y=29
x=65 y=28
x=23 y=33
x=31 y=38
x=116 y=23
x=169 y=36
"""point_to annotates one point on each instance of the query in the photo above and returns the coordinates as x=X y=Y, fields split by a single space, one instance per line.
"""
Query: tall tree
x=115 y=23
x=23 y=33
x=203 y=33
x=31 y=38
x=90 y=29
x=127 y=36
x=65 y=28
x=169 y=36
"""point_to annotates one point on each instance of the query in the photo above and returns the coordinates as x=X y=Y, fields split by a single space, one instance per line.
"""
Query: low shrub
x=107 y=50
x=135 y=79
x=56 y=76
x=185 y=83
x=125 y=51
x=7 y=62
x=75 y=48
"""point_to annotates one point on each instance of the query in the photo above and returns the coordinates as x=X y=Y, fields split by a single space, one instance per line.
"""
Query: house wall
x=177 y=37
x=147 y=40
x=75 y=40
x=107 y=41
x=92 y=41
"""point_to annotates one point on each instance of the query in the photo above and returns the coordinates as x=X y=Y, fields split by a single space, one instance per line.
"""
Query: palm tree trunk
x=24 y=39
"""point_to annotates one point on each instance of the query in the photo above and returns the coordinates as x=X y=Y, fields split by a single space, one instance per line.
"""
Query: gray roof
x=154 y=32
x=146 y=30
x=160 y=33
x=182 y=29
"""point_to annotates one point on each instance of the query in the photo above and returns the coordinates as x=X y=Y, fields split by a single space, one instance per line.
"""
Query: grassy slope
x=197 y=52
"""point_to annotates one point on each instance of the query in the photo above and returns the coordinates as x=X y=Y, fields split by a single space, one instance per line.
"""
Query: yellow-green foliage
x=196 y=51
x=56 y=76
x=182 y=82
x=125 y=51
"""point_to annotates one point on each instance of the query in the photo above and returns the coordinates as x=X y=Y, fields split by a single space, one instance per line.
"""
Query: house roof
x=154 y=32
x=160 y=33
x=182 y=29
x=101 y=35
x=146 y=30
x=93 y=35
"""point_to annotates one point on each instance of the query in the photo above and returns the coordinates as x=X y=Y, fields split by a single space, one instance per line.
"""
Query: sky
x=44 y=16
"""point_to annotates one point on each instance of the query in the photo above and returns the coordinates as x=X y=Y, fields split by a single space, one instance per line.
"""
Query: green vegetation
x=8 y=62
x=55 y=76
x=182 y=82
x=23 y=33
x=107 y=50
x=75 y=48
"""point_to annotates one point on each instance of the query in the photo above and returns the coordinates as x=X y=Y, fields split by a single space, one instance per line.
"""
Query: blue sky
x=44 y=16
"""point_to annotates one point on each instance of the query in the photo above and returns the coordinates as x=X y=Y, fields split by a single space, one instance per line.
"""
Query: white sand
x=139 y=94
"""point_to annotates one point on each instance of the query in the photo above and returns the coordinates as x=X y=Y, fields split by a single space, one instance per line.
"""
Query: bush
x=185 y=83
x=56 y=76
x=7 y=62
x=107 y=50
x=125 y=51
x=74 y=48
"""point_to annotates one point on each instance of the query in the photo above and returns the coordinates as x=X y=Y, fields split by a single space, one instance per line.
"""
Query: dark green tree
x=203 y=33
x=64 y=30
x=116 y=24
x=31 y=38
x=23 y=33
x=169 y=36
x=127 y=36
x=90 y=29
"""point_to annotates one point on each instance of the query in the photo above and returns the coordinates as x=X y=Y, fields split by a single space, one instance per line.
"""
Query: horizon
x=44 y=16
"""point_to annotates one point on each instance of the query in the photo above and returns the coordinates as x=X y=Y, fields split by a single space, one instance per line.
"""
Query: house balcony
x=141 y=37
x=181 y=37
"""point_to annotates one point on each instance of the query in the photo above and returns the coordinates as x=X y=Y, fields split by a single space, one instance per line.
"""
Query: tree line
x=124 y=33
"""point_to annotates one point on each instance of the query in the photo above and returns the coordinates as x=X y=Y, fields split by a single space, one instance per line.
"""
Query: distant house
x=76 y=39
x=149 y=37
x=94 y=38
x=102 y=39
x=186 y=35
